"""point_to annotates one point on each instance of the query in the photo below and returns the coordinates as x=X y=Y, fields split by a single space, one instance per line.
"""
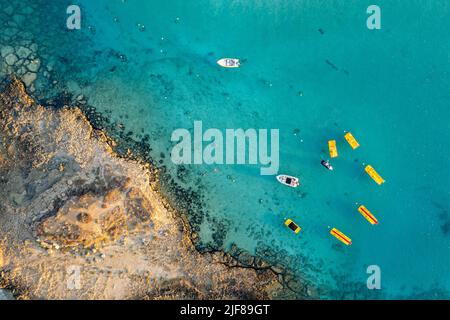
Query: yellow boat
x=340 y=236
x=368 y=215
x=332 y=148
x=374 y=175
x=351 y=140
x=292 y=225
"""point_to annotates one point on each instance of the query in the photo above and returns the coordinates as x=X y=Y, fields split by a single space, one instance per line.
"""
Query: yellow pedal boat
x=340 y=236
x=368 y=215
x=292 y=225
x=332 y=148
x=351 y=140
x=374 y=175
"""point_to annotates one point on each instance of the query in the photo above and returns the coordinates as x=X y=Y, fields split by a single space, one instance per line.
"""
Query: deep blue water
x=389 y=87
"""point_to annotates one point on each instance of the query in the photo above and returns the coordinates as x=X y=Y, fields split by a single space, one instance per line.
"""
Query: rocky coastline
x=80 y=222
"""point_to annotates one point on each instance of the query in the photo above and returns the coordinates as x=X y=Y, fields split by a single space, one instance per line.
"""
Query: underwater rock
x=23 y=52
x=246 y=259
x=34 y=47
x=6 y=50
x=27 y=10
x=11 y=59
x=18 y=19
x=34 y=65
x=9 y=10
x=10 y=32
x=6 y=295
x=29 y=78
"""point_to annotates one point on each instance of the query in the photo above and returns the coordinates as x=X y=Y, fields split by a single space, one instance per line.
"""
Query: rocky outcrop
x=79 y=222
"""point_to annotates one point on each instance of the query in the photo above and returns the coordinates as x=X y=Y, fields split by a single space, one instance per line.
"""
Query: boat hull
x=289 y=181
x=229 y=63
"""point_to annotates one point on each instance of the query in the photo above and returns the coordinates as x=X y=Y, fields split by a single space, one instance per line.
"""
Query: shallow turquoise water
x=389 y=87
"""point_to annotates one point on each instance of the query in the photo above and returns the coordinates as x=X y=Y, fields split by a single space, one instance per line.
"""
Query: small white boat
x=327 y=164
x=289 y=181
x=229 y=63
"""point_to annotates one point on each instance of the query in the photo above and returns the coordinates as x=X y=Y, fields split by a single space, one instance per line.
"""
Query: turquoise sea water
x=389 y=87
